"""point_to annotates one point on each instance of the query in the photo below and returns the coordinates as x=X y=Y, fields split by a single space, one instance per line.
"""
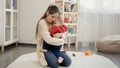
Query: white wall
x=1 y=21
x=30 y=12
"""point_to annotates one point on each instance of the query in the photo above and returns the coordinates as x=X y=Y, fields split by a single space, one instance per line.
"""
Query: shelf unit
x=69 y=14
x=9 y=19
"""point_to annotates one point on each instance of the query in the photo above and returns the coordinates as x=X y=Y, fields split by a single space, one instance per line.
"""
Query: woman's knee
x=67 y=60
x=51 y=59
x=67 y=63
x=53 y=65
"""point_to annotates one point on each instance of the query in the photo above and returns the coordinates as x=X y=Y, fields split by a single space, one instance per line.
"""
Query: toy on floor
x=88 y=53
x=73 y=55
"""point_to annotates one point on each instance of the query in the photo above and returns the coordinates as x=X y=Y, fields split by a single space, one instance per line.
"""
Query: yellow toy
x=88 y=53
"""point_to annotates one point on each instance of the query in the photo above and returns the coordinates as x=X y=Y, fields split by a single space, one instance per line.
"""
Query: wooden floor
x=12 y=52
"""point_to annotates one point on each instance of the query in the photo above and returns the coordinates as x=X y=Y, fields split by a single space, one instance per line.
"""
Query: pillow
x=111 y=38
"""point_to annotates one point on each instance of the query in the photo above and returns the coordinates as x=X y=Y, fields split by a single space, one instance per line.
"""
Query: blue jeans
x=53 y=61
x=54 y=49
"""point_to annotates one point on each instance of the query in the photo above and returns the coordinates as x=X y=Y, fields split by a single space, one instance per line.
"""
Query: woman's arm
x=45 y=34
x=58 y=35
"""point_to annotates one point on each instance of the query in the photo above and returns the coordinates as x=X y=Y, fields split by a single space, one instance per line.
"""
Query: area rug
x=79 y=60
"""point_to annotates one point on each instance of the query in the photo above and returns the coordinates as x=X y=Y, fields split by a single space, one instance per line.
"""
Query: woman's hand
x=58 y=35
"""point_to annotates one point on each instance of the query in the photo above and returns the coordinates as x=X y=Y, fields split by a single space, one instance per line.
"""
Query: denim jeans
x=54 y=49
x=53 y=61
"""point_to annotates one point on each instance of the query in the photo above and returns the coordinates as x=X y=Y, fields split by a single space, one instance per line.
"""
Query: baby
x=58 y=27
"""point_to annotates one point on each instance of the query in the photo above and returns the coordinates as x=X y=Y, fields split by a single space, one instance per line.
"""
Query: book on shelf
x=70 y=7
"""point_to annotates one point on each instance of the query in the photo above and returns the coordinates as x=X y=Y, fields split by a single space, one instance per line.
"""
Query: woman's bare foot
x=60 y=59
x=43 y=50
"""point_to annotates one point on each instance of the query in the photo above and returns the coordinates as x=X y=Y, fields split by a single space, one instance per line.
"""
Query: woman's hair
x=51 y=10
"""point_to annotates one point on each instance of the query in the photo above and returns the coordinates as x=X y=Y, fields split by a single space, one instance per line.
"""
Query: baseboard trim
x=26 y=44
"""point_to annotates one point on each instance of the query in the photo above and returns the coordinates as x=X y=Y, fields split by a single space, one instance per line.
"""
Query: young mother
x=47 y=58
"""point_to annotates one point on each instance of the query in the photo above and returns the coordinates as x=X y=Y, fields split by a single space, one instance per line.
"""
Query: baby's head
x=58 y=22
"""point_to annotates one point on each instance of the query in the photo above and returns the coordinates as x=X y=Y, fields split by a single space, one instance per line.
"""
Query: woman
x=43 y=34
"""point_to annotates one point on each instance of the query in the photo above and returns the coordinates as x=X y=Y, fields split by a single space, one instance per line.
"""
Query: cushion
x=109 y=44
x=110 y=38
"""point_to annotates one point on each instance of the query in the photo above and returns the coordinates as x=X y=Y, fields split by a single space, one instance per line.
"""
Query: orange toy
x=88 y=53
x=66 y=20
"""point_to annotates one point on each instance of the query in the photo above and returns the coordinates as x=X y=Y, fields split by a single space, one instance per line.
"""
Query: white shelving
x=69 y=14
x=9 y=25
x=72 y=24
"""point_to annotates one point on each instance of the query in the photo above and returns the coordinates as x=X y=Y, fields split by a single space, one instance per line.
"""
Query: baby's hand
x=43 y=50
x=60 y=59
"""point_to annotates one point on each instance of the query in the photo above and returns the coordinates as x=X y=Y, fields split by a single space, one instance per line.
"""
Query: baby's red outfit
x=58 y=29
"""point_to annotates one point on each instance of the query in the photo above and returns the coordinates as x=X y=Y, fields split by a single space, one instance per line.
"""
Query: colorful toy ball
x=88 y=53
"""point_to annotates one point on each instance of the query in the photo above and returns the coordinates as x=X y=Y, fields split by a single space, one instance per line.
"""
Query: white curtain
x=98 y=18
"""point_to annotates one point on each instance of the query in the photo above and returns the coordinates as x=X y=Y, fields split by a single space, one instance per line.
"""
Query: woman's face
x=52 y=17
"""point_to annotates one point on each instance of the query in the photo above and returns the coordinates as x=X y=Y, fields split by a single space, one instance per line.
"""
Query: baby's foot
x=60 y=59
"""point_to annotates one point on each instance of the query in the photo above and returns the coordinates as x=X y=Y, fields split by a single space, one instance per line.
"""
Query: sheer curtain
x=98 y=18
